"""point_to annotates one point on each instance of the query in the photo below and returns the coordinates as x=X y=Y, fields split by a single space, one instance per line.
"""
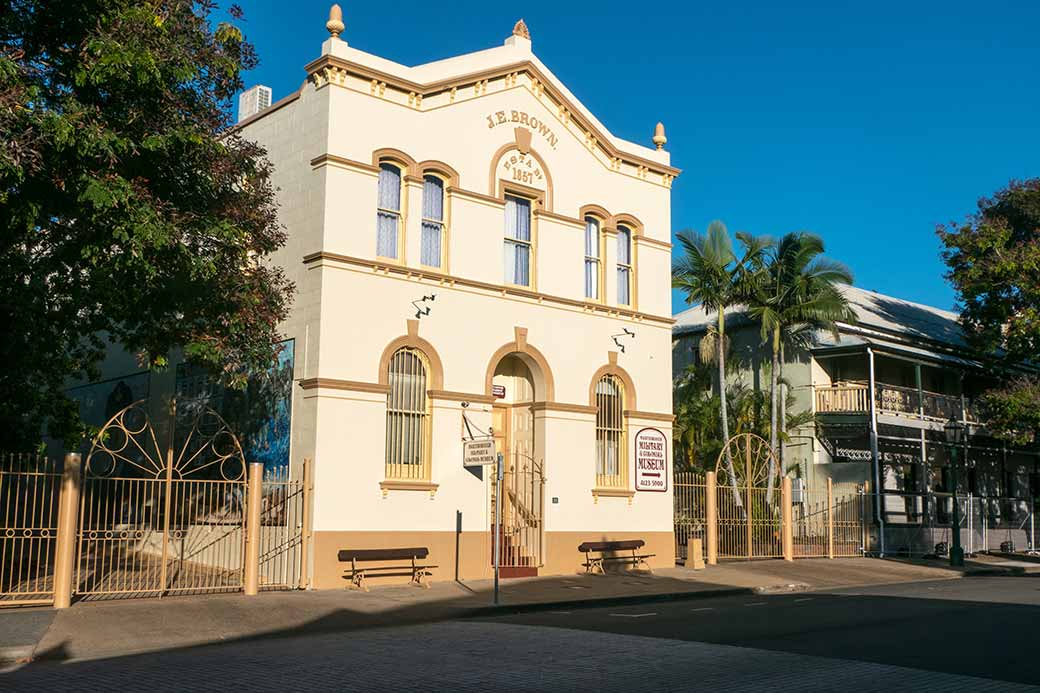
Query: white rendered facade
x=487 y=134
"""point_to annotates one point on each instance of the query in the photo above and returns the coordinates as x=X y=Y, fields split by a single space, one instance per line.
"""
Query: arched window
x=611 y=466
x=408 y=416
x=388 y=215
x=432 y=221
x=624 y=266
x=592 y=258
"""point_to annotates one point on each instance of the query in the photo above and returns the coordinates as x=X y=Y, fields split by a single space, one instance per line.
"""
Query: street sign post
x=498 y=520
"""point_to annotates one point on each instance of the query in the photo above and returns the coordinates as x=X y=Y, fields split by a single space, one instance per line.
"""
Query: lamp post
x=954 y=431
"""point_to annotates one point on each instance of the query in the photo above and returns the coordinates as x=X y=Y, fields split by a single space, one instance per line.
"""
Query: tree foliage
x=130 y=212
x=994 y=265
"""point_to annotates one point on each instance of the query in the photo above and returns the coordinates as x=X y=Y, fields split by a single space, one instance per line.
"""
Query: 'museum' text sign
x=651 y=460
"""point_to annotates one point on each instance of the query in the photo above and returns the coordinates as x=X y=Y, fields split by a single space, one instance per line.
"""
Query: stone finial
x=335 y=24
x=659 y=139
x=520 y=29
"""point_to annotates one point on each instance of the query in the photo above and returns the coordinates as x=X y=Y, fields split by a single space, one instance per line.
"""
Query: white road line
x=654 y=613
x=756 y=604
x=804 y=599
x=561 y=612
x=704 y=608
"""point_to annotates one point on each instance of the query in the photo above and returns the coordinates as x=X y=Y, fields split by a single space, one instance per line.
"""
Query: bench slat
x=405 y=554
x=627 y=545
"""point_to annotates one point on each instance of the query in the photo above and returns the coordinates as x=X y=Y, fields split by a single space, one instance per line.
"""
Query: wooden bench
x=357 y=573
x=603 y=548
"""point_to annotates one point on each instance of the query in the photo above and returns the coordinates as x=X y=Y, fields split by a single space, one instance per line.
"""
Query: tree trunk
x=774 y=381
x=783 y=408
x=725 y=415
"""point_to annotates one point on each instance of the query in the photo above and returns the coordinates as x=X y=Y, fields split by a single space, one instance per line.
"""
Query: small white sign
x=651 y=460
x=498 y=391
x=478 y=453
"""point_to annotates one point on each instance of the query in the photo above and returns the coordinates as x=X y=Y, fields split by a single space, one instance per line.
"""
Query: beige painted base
x=473 y=554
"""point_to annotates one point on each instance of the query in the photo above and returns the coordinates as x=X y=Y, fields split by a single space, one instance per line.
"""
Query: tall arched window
x=408 y=416
x=592 y=258
x=432 y=221
x=388 y=214
x=611 y=466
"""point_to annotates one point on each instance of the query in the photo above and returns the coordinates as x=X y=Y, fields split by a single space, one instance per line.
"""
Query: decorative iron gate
x=749 y=504
x=523 y=501
x=161 y=518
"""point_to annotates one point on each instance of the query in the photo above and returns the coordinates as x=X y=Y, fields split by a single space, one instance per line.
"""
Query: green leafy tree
x=710 y=274
x=994 y=265
x=130 y=211
x=795 y=291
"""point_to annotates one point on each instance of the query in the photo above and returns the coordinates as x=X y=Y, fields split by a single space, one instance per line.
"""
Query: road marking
x=804 y=599
x=704 y=608
x=756 y=604
x=654 y=613
x=561 y=612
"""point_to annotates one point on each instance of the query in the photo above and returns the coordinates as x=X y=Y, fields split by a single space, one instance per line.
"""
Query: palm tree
x=711 y=275
x=796 y=293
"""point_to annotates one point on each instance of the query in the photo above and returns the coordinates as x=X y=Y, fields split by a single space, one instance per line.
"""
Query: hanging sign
x=478 y=453
x=651 y=460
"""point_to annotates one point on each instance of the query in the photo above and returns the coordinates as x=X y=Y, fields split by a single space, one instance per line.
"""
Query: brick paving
x=480 y=656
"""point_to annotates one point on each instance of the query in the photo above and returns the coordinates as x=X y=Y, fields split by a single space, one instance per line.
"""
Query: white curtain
x=433 y=221
x=389 y=214
x=624 y=270
x=591 y=258
x=516 y=257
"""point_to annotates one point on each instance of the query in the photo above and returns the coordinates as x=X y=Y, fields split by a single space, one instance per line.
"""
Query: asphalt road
x=983 y=627
x=973 y=634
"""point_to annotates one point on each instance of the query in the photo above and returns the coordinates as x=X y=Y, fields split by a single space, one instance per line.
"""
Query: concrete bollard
x=255 y=498
x=68 y=521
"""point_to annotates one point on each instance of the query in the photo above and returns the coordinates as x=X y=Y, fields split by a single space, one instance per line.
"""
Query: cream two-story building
x=475 y=255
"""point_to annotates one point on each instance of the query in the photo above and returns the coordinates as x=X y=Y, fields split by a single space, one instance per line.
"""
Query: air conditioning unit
x=797 y=490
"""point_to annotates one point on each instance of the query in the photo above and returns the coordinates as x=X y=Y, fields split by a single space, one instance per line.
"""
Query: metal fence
x=150 y=537
x=66 y=531
x=749 y=522
x=828 y=524
x=916 y=524
x=284 y=529
x=689 y=513
x=30 y=486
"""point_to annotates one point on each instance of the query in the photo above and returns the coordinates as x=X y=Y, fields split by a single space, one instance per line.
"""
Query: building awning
x=858 y=343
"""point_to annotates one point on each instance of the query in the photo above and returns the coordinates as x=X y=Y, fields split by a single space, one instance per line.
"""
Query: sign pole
x=498 y=520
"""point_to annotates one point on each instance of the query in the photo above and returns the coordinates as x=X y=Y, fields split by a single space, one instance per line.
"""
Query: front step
x=515 y=571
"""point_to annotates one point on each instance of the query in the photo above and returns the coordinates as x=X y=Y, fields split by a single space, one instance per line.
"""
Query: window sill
x=389 y=485
x=609 y=492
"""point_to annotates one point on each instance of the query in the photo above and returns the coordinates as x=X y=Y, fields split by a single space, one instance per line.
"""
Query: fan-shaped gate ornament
x=753 y=460
x=127 y=446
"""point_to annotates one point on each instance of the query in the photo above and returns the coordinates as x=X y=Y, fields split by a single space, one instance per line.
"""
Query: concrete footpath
x=93 y=630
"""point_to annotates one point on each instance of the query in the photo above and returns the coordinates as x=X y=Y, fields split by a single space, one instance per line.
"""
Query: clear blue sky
x=867 y=123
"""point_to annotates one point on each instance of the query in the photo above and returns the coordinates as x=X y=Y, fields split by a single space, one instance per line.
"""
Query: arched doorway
x=513 y=423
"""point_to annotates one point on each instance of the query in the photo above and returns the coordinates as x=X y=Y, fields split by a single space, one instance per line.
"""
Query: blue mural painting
x=269 y=442
x=261 y=414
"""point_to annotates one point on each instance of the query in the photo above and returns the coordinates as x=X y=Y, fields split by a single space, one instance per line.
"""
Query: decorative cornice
x=452 y=280
x=562 y=406
x=327 y=159
x=335 y=70
x=334 y=384
x=649 y=415
x=460 y=396
x=643 y=240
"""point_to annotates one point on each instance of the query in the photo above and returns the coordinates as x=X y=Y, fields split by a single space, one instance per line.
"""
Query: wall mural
x=98 y=402
x=261 y=414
